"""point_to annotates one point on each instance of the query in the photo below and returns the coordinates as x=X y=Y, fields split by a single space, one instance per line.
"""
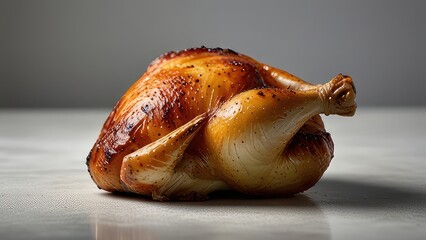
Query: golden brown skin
x=205 y=119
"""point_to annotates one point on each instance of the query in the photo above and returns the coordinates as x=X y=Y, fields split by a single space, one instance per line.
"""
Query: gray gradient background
x=62 y=54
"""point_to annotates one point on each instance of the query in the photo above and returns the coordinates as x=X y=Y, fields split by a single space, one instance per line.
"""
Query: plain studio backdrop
x=81 y=54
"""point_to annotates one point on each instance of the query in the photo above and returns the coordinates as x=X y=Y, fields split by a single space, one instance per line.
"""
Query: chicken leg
x=256 y=155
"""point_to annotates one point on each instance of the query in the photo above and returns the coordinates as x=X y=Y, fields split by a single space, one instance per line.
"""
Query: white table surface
x=375 y=187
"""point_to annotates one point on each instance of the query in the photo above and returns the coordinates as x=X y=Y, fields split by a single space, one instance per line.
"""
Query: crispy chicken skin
x=204 y=119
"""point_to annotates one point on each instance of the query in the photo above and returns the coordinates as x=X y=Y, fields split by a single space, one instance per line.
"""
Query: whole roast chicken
x=208 y=119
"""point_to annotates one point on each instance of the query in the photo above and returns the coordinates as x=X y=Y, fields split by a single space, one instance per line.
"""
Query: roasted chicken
x=203 y=119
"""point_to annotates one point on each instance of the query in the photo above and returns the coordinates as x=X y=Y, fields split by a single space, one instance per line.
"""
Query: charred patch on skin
x=109 y=153
x=89 y=157
x=190 y=51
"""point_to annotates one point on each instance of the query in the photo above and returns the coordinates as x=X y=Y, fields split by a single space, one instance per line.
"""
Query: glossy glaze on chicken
x=203 y=119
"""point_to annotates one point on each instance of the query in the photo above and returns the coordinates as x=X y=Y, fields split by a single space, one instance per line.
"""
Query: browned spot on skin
x=146 y=109
x=260 y=93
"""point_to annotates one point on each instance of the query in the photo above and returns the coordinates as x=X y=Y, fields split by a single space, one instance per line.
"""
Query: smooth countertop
x=375 y=187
